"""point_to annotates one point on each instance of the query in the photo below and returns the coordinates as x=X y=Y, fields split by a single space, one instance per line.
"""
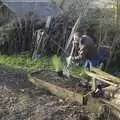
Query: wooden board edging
x=107 y=75
x=56 y=90
x=101 y=78
x=73 y=96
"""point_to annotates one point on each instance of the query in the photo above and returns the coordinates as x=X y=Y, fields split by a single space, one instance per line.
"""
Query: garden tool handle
x=72 y=50
x=70 y=57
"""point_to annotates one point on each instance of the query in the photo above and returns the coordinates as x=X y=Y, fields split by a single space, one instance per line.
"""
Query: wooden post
x=93 y=84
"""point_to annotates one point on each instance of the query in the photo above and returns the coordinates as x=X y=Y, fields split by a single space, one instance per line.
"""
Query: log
x=101 y=78
x=56 y=90
x=107 y=75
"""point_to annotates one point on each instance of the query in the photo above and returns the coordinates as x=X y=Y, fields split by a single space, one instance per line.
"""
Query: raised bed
x=66 y=89
x=77 y=85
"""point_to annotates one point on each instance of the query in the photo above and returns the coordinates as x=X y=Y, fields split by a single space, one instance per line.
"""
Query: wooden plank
x=93 y=103
x=106 y=75
x=99 y=77
x=56 y=90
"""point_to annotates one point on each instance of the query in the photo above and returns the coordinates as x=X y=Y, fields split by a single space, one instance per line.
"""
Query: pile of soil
x=74 y=84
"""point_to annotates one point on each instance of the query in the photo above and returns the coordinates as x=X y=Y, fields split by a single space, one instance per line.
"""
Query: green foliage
x=57 y=63
x=23 y=62
x=78 y=71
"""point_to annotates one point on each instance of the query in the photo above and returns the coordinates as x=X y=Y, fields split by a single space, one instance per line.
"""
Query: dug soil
x=21 y=100
x=74 y=84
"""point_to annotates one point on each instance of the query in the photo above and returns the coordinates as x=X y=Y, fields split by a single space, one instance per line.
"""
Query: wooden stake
x=93 y=84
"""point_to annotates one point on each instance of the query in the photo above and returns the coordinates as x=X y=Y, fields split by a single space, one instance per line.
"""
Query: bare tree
x=83 y=12
x=117 y=36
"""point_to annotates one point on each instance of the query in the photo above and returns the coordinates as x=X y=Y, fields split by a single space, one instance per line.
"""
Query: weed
x=57 y=63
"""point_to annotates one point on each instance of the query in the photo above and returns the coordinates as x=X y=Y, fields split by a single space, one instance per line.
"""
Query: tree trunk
x=62 y=4
x=116 y=38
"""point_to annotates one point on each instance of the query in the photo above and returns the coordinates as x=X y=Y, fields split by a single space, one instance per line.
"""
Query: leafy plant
x=57 y=63
x=78 y=71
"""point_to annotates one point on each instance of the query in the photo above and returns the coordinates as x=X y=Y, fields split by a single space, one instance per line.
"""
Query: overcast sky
x=25 y=0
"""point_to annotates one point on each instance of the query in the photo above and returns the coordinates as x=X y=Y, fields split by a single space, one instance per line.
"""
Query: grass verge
x=26 y=63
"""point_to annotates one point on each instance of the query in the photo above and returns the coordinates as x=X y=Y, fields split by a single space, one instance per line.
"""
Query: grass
x=57 y=63
x=78 y=71
x=25 y=62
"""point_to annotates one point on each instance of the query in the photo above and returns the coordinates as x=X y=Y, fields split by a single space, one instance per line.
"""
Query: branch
x=77 y=25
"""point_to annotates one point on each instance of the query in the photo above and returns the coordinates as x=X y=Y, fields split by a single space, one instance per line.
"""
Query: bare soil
x=72 y=83
x=21 y=100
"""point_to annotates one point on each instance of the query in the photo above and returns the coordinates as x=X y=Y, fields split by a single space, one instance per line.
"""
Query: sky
x=25 y=0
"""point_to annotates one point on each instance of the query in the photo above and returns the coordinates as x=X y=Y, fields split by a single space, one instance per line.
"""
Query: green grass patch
x=25 y=62
x=57 y=63
x=78 y=71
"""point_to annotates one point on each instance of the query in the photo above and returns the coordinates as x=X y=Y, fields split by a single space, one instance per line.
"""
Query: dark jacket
x=87 y=48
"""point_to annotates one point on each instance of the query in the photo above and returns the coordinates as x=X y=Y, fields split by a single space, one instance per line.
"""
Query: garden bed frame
x=79 y=97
